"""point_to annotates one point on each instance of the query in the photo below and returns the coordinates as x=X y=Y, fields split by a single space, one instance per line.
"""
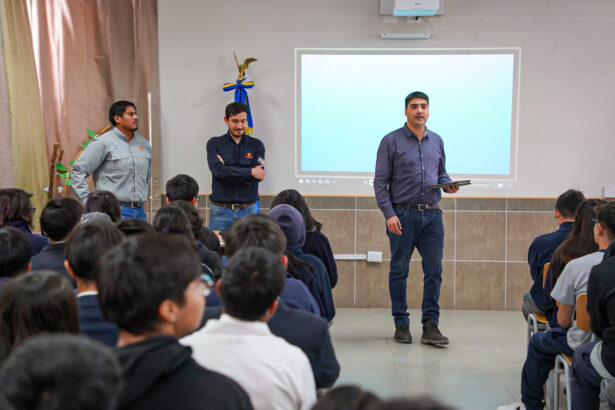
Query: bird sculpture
x=242 y=67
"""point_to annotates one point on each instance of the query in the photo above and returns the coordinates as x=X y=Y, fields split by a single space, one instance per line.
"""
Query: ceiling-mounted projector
x=409 y=8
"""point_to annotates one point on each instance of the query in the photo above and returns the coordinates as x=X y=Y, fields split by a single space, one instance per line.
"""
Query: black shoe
x=402 y=334
x=432 y=335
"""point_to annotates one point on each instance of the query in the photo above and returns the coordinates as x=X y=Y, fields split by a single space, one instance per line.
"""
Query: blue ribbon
x=241 y=95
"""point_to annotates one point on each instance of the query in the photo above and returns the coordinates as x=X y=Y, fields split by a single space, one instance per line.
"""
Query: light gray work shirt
x=121 y=167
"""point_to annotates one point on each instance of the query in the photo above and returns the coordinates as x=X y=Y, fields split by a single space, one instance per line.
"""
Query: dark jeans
x=584 y=380
x=422 y=230
x=221 y=219
x=541 y=353
x=128 y=212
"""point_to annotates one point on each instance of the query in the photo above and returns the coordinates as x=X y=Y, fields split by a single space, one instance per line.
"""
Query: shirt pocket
x=142 y=161
x=118 y=161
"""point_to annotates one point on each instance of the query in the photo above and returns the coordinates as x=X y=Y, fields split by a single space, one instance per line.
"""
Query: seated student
x=348 y=397
x=105 y=202
x=59 y=218
x=83 y=253
x=15 y=254
x=96 y=217
x=275 y=374
x=596 y=360
x=545 y=346
x=542 y=247
x=17 y=211
x=185 y=188
x=36 y=302
x=60 y=371
x=316 y=242
x=134 y=226
x=149 y=285
x=261 y=231
x=308 y=267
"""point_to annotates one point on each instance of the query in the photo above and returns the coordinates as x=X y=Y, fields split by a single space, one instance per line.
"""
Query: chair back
x=582 y=315
x=545 y=268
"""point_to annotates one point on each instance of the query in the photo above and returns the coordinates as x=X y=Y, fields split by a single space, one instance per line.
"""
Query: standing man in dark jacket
x=237 y=164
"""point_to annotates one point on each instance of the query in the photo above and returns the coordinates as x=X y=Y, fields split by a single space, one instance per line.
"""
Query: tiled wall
x=485 y=250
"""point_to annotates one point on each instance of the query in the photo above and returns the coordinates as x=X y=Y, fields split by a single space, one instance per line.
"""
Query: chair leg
x=555 y=390
x=568 y=392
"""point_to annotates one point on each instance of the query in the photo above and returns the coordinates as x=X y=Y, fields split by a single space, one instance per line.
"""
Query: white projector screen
x=348 y=99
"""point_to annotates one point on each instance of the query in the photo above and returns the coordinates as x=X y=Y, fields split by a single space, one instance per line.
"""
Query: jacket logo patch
x=249 y=155
x=141 y=147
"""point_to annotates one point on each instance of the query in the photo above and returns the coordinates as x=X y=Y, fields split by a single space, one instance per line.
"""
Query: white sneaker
x=515 y=406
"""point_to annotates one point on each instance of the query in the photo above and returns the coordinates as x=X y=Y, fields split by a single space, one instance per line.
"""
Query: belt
x=234 y=207
x=420 y=207
x=132 y=204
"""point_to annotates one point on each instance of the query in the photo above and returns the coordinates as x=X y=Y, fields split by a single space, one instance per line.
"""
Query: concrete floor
x=480 y=368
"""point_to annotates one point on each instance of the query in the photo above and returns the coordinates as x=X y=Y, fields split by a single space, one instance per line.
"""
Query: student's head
x=255 y=230
x=292 y=224
x=15 y=206
x=348 y=398
x=150 y=283
x=15 y=252
x=606 y=219
x=105 y=202
x=60 y=216
x=415 y=94
x=182 y=186
x=296 y=200
x=252 y=281
x=134 y=226
x=36 y=302
x=173 y=219
x=568 y=202
x=196 y=222
x=60 y=371
x=87 y=245
x=118 y=109
x=415 y=403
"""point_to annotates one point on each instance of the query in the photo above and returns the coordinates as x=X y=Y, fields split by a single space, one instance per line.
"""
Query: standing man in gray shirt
x=409 y=160
x=121 y=161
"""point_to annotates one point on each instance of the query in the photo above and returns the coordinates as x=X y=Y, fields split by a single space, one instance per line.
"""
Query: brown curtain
x=91 y=53
x=25 y=126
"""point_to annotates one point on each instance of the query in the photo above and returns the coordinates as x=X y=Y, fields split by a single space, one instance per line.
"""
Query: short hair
x=133 y=226
x=118 y=108
x=348 y=397
x=15 y=205
x=105 y=202
x=235 y=108
x=15 y=251
x=255 y=230
x=60 y=216
x=606 y=218
x=296 y=200
x=416 y=94
x=568 y=202
x=137 y=275
x=414 y=403
x=253 y=279
x=36 y=302
x=60 y=371
x=196 y=222
x=173 y=219
x=182 y=186
x=88 y=244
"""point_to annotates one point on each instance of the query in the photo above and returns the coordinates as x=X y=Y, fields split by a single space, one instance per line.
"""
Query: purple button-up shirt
x=405 y=167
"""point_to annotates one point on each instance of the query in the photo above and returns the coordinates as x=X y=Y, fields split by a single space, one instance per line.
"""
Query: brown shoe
x=432 y=335
x=402 y=334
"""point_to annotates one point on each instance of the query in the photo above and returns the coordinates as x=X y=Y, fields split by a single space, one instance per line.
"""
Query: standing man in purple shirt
x=409 y=160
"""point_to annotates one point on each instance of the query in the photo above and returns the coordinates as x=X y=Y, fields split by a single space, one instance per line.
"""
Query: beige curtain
x=25 y=127
x=91 y=53
x=6 y=152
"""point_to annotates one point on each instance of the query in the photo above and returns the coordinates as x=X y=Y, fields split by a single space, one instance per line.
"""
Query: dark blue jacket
x=321 y=280
x=52 y=258
x=93 y=324
x=307 y=332
x=317 y=244
x=38 y=241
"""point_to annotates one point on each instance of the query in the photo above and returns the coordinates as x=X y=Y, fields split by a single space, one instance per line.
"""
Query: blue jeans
x=221 y=219
x=584 y=380
x=128 y=212
x=422 y=230
x=541 y=352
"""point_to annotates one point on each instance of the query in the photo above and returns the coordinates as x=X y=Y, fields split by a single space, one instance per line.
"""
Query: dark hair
x=606 y=217
x=416 y=94
x=253 y=279
x=137 y=275
x=415 y=403
x=105 y=202
x=88 y=244
x=60 y=371
x=173 y=219
x=118 y=108
x=196 y=222
x=347 y=398
x=568 y=202
x=60 y=216
x=33 y=303
x=133 y=226
x=235 y=108
x=255 y=230
x=15 y=251
x=296 y=200
x=15 y=205
x=580 y=241
x=182 y=186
